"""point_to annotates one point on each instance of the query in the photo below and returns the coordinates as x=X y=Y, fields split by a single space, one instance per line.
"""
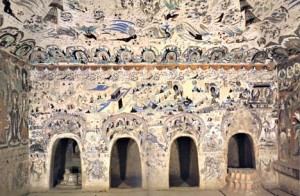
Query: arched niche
x=241 y=151
x=125 y=164
x=183 y=163
x=124 y=124
x=183 y=124
x=65 y=167
x=241 y=119
x=63 y=124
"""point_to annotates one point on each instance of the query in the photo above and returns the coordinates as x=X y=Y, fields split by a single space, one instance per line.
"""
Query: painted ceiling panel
x=150 y=31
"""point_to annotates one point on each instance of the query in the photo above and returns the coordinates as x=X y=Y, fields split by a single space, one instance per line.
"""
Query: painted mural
x=14 y=133
x=153 y=107
x=288 y=123
x=159 y=31
x=289 y=77
x=97 y=105
x=14 y=103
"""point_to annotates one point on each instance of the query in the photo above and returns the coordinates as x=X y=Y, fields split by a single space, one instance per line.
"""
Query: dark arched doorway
x=183 y=170
x=125 y=164
x=66 y=165
x=240 y=151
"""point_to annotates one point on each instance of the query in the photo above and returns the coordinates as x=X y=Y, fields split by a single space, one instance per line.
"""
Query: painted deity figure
x=23 y=120
x=24 y=128
x=3 y=120
x=37 y=169
x=266 y=129
x=268 y=95
x=283 y=146
x=14 y=119
x=255 y=94
x=24 y=80
x=212 y=168
x=297 y=135
x=214 y=93
x=297 y=141
x=69 y=178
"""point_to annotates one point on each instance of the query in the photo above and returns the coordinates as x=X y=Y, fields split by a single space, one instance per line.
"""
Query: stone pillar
x=243 y=181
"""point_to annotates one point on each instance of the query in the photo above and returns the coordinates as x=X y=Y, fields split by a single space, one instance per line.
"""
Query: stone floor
x=132 y=192
x=139 y=192
x=279 y=192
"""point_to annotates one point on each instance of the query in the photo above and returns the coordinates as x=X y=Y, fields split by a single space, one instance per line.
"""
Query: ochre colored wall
x=153 y=32
x=289 y=126
x=158 y=106
x=14 y=134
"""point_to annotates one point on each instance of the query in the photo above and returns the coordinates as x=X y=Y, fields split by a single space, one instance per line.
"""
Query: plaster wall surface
x=124 y=31
x=288 y=165
x=158 y=106
x=14 y=148
x=160 y=95
x=166 y=103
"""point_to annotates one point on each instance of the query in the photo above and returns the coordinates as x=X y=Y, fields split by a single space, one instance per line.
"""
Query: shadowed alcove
x=66 y=164
x=241 y=151
x=184 y=171
x=125 y=164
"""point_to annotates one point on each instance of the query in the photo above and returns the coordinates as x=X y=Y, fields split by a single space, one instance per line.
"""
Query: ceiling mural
x=150 y=31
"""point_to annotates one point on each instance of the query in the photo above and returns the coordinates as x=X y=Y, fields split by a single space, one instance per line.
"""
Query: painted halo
x=281 y=74
x=290 y=72
x=148 y=56
x=297 y=69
